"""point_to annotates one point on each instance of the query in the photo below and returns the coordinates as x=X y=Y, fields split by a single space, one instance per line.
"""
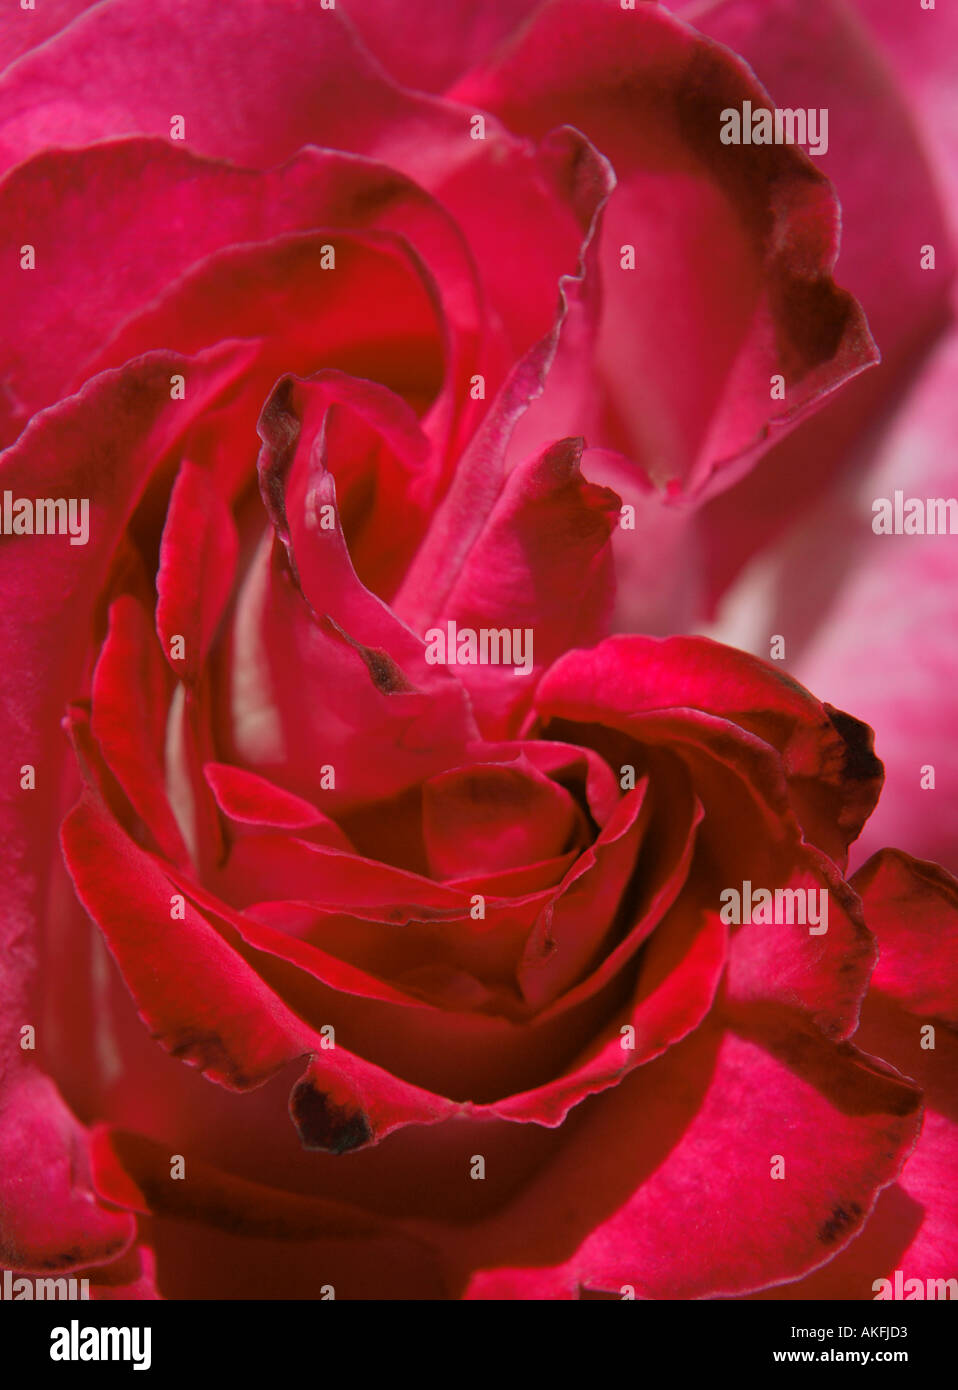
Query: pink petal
x=138 y=290
x=822 y=56
x=833 y=776
x=680 y=1201
x=686 y=353
x=51 y=1218
x=303 y=617
x=115 y=431
x=913 y=909
x=248 y=800
x=896 y=673
x=120 y=69
x=198 y=553
x=28 y=29
x=749 y=826
x=492 y=817
x=134 y=747
x=448 y=40
x=541 y=563
x=918 y=44
x=676 y=985
x=209 y=1009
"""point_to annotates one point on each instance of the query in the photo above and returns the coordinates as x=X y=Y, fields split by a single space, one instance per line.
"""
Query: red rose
x=375 y=826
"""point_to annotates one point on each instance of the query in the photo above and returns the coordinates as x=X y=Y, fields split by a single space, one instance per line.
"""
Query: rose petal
x=918 y=45
x=680 y=972
x=541 y=565
x=139 y=288
x=685 y=1144
x=304 y=619
x=687 y=353
x=248 y=800
x=493 y=817
x=132 y=1278
x=119 y=69
x=34 y=27
x=133 y=1171
x=50 y=1218
x=749 y=827
x=134 y=748
x=198 y=553
x=824 y=57
x=833 y=776
x=614 y=899
x=256 y=1241
x=105 y=441
x=448 y=40
x=210 y=1010
x=913 y=909
x=896 y=673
